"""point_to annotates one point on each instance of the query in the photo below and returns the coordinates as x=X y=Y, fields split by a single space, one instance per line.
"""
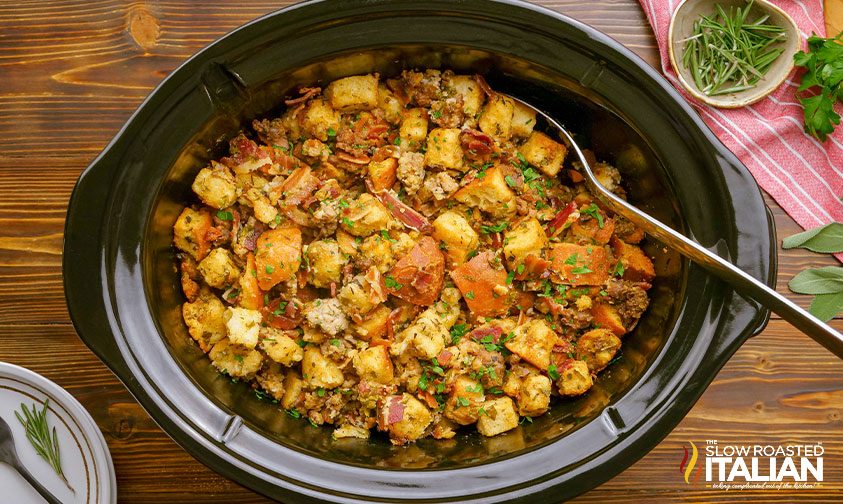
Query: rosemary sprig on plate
x=45 y=442
x=728 y=54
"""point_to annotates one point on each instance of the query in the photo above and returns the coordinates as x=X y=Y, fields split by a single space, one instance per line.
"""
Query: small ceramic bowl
x=682 y=26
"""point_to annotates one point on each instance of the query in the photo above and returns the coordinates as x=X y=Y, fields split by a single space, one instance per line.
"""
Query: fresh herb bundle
x=45 y=442
x=727 y=53
x=823 y=77
x=825 y=284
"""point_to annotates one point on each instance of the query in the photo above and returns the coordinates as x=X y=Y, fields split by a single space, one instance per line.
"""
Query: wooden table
x=72 y=72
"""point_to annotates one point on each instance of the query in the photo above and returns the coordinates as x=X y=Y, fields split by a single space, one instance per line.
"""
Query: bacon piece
x=481 y=81
x=360 y=159
x=287 y=319
x=561 y=220
x=306 y=94
x=479 y=334
x=419 y=275
x=476 y=142
x=400 y=210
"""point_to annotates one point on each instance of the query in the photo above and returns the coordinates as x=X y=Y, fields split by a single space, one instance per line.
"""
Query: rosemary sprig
x=727 y=53
x=38 y=433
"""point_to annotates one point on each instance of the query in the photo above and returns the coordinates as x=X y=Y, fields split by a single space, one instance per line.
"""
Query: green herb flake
x=225 y=216
x=392 y=283
x=552 y=372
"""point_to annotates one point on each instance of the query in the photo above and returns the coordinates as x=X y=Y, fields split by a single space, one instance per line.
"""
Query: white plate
x=84 y=455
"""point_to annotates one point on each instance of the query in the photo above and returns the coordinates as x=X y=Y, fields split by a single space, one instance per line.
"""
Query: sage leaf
x=826 y=239
x=827 y=280
x=826 y=306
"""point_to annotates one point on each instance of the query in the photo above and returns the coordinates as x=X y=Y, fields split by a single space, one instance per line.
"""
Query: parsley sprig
x=821 y=85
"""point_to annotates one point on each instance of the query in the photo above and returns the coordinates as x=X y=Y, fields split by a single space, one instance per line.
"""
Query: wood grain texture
x=73 y=72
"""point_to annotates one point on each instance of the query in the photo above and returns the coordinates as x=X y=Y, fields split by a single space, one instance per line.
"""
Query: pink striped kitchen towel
x=803 y=175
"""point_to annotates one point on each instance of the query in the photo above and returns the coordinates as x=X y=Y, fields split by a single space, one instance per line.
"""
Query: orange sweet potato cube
x=579 y=264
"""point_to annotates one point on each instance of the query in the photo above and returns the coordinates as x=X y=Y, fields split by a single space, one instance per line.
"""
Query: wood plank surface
x=72 y=73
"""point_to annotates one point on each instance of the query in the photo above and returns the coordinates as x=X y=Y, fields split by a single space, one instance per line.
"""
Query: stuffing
x=499 y=415
x=410 y=171
x=325 y=263
x=327 y=315
x=190 y=232
x=456 y=235
x=444 y=149
x=243 y=326
x=235 y=360
x=218 y=269
x=205 y=321
x=215 y=186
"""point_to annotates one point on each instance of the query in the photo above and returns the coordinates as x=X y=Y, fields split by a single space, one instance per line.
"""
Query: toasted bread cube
x=243 y=326
x=404 y=417
x=454 y=231
x=235 y=360
x=363 y=293
x=523 y=120
x=490 y=193
x=379 y=251
x=390 y=104
x=293 y=385
x=429 y=332
x=525 y=238
x=607 y=317
x=469 y=89
x=280 y=346
x=373 y=327
x=190 y=232
x=264 y=211
x=251 y=295
x=373 y=364
x=350 y=431
x=533 y=342
x=498 y=416
x=204 y=320
x=366 y=215
x=637 y=267
x=597 y=348
x=465 y=401
x=444 y=150
x=318 y=118
x=327 y=315
x=351 y=94
x=482 y=281
x=383 y=173
x=215 y=186
x=534 y=395
x=511 y=385
x=277 y=256
x=219 y=269
x=325 y=263
x=579 y=264
x=271 y=379
x=590 y=230
x=319 y=371
x=413 y=128
x=574 y=378
x=544 y=153
x=496 y=119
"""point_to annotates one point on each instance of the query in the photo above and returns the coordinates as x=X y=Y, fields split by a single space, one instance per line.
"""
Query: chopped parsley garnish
x=552 y=372
x=385 y=236
x=462 y=402
x=294 y=413
x=581 y=270
x=509 y=181
x=281 y=308
x=469 y=295
x=571 y=260
x=391 y=283
x=520 y=268
x=335 y=342
x=270 y=269
x=497 y=228
x=436 y=114
x=510 y=277
x=347 y=222
x=332 y=132
x=225 y=216
x=457 y=332
x=343 y=203
x=618 y=271
x=594 y=212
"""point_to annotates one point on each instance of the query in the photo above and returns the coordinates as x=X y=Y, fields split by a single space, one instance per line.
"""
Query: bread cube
x=351 y=94
x=574 y=378
x=454 y=231
x=429 y=332
x=373 y=364
x=271 y=379
x=469 y=89
x=534 y=395
x=490 y=193
x=277 y=256
x=318 y=118
x=190 y=232
x=365 y=215
x=373 y=326
x=482 y=281
x=243 y=326
x=607 y=317
x=465 y=400
x=533 y=342
x=319 y=371
x=637 y=267
x=204 y=320
x=325 y=263
x=404 y=417
x=264 y=211
x=378 y=251
x=363 y=293
x=498 y=416
x=327 y=315
x=280 y=346
x=235 y=360
x=383 y=173
x=215 y=186
x=525 y=238
x=496 y=119
x=251 y=296
x=219 y=269
x=444 y=150
x=523 y=120
x=350 y=431
x=544 y=153
x=597 y=348
x=590 y=231
x=579 y=264
x=390 y=104
x=293 y=387
x=413 y=128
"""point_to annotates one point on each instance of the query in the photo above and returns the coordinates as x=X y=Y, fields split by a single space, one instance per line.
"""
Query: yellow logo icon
x=686 y=467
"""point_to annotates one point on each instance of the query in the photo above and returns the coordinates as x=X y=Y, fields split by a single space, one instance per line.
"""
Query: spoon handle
x=46 y=494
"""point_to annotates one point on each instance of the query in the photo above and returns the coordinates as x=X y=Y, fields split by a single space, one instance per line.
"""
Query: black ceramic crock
x=123 y=294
